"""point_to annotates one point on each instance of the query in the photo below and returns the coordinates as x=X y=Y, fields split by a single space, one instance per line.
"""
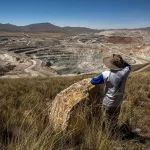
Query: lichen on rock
x=72 y=107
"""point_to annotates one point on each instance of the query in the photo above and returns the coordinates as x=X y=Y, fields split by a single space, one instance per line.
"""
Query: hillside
x=51 y=28
x=147 y=28
x=45 y=27
x=78 y=30
x=42 y=27
x=24 y=116
x=10 y=28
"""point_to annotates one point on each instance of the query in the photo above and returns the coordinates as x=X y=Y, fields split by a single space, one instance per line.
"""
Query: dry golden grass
x=24 y=122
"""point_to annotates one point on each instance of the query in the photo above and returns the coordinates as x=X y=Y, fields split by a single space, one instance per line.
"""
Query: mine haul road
x=36 y=69
x=32 y=72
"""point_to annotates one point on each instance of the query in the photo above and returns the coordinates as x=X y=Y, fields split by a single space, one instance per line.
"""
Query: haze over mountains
x=48 y=27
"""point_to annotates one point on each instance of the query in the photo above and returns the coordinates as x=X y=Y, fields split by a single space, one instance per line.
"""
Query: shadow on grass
x=135 y=136
x=127 y=134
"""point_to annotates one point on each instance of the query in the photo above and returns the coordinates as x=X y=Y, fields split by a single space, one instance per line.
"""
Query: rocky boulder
x=73 y=107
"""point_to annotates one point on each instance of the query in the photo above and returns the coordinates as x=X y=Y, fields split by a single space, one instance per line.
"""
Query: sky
x=98 y=14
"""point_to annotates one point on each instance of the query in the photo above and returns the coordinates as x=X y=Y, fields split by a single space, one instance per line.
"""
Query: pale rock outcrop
x=73 y=107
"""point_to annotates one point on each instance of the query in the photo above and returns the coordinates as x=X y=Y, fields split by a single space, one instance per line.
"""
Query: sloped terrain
x=80 y=54
x=24 y=116
x=45 y=27
x=42 y=27
x=79 y=30
x=10 y=28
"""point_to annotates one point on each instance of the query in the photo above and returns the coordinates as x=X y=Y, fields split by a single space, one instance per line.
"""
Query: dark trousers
x=110 y=118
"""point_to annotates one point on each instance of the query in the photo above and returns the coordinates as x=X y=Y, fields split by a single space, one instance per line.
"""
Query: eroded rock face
x=72 y=108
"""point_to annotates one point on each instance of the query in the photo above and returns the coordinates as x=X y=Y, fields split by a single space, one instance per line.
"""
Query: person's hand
x=125 y=63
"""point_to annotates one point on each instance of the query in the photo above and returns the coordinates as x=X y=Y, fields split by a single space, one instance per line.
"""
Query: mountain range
x=44 y=27
x=48 y=27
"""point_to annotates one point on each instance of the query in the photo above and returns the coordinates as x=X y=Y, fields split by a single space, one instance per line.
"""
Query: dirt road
x=32 y=72
x=34 y=68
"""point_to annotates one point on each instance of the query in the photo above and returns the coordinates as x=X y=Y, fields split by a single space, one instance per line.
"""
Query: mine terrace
x=31 y=56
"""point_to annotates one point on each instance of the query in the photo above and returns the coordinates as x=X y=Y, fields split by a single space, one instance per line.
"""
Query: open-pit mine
x=29 y=56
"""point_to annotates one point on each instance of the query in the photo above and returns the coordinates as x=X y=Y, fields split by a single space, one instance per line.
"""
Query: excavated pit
x=122 y=40
x=79 y=54
x=66 y=58
x=72 y=62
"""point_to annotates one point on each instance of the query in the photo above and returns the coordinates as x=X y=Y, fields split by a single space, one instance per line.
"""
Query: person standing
x=115 y=80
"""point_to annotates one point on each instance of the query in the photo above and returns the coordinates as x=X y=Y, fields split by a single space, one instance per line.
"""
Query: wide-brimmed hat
x=115 y=62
